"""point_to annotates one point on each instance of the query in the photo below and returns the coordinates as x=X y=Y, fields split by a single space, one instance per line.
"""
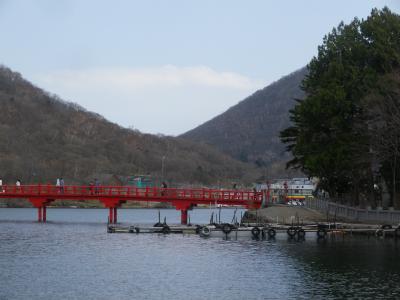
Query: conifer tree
x=330 y=137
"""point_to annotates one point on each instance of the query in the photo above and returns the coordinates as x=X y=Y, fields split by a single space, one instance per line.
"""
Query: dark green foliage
x=330 y=138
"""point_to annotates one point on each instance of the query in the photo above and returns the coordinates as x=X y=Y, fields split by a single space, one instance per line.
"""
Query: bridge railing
x=92 y=191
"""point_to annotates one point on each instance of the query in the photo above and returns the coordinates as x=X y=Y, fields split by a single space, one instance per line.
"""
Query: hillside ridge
x=249 y=131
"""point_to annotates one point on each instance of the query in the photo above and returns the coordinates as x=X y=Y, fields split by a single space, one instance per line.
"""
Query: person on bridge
x=163 y=186
x=236 y=194
x=255 y=193
x=61 y=185
x=58 y=184
x=91 y=187
x=18 y=185
x=96 y=185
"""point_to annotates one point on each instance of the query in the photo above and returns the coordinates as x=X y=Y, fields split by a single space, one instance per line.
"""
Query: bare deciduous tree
x=384 y=126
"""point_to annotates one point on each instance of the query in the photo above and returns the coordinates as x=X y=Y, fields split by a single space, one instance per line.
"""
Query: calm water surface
x=72 y=257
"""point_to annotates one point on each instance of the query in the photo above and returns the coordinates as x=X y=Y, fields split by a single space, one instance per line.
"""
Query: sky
x=165 y=67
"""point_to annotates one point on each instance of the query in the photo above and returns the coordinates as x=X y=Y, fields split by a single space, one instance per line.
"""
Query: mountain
x=43 y=138
x=249 y=131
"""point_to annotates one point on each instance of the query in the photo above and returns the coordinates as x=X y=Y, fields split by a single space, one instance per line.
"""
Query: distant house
x=284 y=190
x=140 y=181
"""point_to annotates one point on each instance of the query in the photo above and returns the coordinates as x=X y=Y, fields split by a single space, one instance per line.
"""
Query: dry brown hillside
x=43 y=137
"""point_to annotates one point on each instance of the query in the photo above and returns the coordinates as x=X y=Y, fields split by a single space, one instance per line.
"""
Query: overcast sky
x=165 y=66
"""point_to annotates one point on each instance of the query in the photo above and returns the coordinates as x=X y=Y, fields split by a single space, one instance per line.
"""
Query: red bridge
x=113 y=196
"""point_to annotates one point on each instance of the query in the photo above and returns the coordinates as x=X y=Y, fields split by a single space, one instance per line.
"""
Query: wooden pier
x=166 y=229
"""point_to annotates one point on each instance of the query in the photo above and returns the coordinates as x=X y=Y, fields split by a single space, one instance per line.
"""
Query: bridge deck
x=113 y=196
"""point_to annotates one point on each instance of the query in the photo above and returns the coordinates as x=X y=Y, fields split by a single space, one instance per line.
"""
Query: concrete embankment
x=285 y=214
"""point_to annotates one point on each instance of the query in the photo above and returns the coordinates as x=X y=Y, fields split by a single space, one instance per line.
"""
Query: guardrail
x=132 y=193
x=354 y=214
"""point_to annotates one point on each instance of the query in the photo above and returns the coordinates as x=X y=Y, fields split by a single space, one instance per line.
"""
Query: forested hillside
x=43 y=137
x=249 y=131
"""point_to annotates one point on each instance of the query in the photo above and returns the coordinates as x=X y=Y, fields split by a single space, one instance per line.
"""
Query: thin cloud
x=167 y=99
x=139 y=78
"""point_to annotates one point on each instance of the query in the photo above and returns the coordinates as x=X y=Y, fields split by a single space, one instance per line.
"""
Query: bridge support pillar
x=44 y=217
x=112 y=205
x=184 y=216
x=40 y=216
x=41 y=205
x=115 y=215
x=183 y=206
x=110 y=216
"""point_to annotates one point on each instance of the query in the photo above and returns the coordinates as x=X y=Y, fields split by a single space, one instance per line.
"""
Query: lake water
x=72 y=257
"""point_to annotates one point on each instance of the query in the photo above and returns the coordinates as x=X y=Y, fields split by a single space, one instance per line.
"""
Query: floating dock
x=261 y=231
